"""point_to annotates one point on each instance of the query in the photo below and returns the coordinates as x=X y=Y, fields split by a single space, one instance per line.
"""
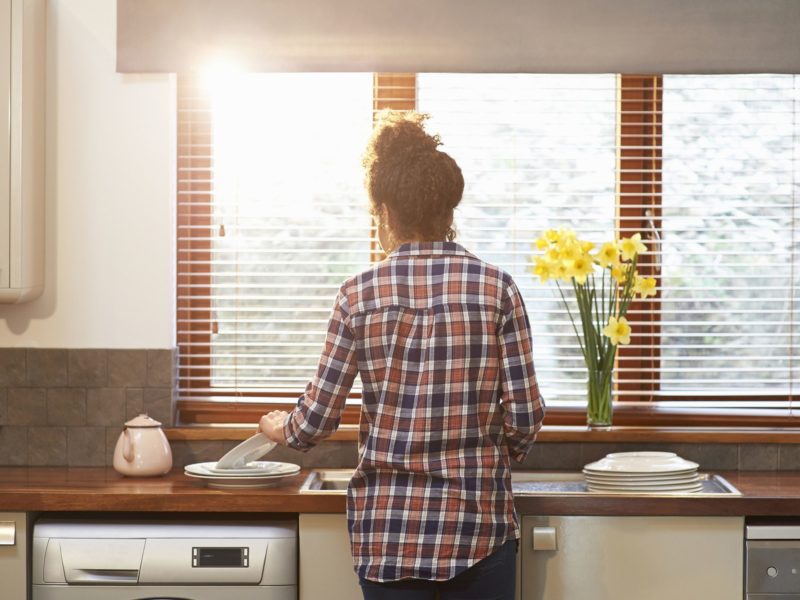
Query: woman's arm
x=319 y=409
x=522 y=402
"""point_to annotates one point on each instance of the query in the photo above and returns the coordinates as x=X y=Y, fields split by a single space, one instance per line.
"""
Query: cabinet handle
x=544 y=538
x=8 y=533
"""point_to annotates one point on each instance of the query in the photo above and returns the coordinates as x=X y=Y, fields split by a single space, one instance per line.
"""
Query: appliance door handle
x=104 y=576
x=8 y=533
x=544 y=538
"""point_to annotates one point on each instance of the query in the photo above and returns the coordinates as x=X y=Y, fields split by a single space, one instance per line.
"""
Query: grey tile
x=158 y=404
x=789 y=457
x=47 y=446
x=13 y=365
x=194 y=451
x=592 y=451
x=134 y=402
x=112 y=436
x=758 y=457
x=46 y=367
x=13 y=446
x=558 y=456
x=88 y=368
x=329 y=455
x=127 y=368
x=66 y=406
x=710 y=457
x=160 y=368
x=27 y=406
x=86 y=446
x=106 y=406
x=3 y=406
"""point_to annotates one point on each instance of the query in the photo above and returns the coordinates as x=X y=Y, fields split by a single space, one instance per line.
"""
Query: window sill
x=555 y=434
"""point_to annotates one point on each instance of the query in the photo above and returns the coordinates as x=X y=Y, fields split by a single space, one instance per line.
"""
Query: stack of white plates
x=252 y=475
x=642 y=473
x=239 y=469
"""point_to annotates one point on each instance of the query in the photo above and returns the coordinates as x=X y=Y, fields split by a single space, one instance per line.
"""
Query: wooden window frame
x=638 y=185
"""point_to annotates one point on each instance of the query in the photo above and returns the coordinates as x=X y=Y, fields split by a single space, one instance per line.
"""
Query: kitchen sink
x=524 y=483
x=326 y=481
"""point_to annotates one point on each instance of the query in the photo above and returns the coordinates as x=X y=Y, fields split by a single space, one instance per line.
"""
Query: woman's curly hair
x=405 y=170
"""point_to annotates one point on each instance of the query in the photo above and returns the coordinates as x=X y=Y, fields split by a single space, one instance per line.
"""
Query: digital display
x=220 y=557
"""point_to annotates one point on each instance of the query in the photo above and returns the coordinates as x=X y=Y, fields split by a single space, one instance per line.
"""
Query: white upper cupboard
x=22 y=99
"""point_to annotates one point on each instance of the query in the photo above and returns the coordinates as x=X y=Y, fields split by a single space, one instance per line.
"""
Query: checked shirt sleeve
x=522 y=403
x=319 y=409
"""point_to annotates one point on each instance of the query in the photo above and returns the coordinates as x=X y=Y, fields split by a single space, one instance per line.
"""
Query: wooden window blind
x=705 y=167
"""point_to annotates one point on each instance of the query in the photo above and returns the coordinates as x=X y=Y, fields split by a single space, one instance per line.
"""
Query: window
x=272 y=218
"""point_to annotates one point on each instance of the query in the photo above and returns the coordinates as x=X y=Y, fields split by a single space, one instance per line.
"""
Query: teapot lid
x=142 y=421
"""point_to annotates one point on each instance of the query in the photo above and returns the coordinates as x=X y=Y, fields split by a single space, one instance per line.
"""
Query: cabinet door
x=5 y=141
x=630 y=558
x=326 y=565
x=13 y=552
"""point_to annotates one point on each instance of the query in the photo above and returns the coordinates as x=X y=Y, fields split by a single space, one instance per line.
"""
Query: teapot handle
x=127 y=446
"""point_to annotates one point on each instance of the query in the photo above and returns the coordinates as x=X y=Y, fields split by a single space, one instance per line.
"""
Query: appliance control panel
x=205 y=557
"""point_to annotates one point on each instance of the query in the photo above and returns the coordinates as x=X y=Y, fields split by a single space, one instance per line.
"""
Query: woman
x=442 y=343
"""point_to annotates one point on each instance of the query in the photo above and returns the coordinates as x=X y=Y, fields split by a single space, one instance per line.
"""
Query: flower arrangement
x=605 y=282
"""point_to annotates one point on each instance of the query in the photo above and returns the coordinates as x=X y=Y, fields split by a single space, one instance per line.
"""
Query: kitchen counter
x=102 y=489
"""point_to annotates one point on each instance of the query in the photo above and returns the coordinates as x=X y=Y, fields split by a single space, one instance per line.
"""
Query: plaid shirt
x=442 y=342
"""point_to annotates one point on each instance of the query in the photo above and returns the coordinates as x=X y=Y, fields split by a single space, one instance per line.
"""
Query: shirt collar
x=428 y=249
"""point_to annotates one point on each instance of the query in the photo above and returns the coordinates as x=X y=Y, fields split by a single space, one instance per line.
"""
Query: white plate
x=641 y=462
x=649 y=482
x=667 y=478
x=645 y=486
x=698 y=488
x=261 y=470
x=641 y=454
x=249 y=450
x=236 y=482
x=617 y=476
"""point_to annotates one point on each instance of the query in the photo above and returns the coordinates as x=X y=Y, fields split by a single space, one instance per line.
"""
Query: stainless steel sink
x=524 y=483
x=327 y=481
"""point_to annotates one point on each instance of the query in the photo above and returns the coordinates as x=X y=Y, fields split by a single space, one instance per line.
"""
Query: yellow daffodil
x=618 y=331
x=569 y=251
x=541 y=243
x=560 y=271
x=587 y=247
x=552 y=236
x=580 y=268
x=608 y=255
x=618 y=273
x=644 y=286
x=543 y=269
x=553 y=255
x=630 y=247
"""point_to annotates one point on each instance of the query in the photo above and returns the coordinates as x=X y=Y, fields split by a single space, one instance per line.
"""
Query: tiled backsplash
x=68 y=406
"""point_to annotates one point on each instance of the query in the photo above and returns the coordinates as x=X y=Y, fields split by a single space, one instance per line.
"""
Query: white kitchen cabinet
x=326 y=565
x=13 y=553
x=22 y=101
x=630 y=558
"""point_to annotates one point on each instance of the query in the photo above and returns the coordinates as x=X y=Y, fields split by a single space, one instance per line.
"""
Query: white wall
x=110 y=195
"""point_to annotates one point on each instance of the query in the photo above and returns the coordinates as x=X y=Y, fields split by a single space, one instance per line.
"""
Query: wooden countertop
x=102 y=489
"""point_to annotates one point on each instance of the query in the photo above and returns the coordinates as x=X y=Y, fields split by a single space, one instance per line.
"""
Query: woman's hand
x=271 y=425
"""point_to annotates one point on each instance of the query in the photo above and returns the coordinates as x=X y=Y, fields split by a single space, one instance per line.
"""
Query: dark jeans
x=492 y=578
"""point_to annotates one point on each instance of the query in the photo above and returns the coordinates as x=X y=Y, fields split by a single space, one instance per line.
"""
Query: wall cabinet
x=13 y=555
x=22 y=100
x=630 y=558
x=326 y=565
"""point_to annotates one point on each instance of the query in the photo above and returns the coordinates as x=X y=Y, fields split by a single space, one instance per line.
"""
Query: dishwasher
x=772 y=561
x=85 y=559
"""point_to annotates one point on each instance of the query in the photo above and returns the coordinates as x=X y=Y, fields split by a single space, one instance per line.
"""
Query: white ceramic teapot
x=142 y=449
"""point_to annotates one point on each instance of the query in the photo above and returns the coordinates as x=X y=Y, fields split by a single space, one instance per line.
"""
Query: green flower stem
x=572 y=319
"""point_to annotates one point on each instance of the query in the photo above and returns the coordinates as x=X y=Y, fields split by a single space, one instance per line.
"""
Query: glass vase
x=598 y=409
